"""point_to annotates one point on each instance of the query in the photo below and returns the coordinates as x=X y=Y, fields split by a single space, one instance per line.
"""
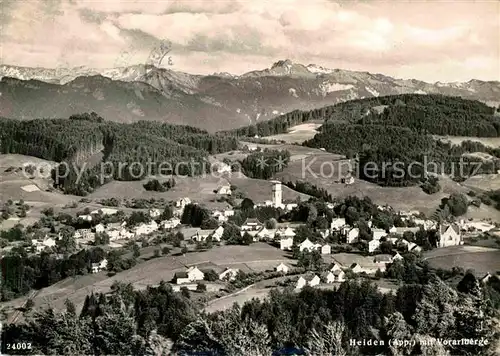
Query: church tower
x=277 y=194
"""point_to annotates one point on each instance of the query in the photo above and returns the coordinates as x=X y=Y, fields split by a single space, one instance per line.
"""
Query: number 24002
x=19 y=346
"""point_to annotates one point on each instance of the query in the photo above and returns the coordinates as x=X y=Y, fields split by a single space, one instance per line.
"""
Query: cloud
x=406 y=39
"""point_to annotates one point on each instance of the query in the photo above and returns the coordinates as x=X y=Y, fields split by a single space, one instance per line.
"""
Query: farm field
x=261 y=190
x=321 y=174
x=297 y=134
x=154 y=271
x=481 y=259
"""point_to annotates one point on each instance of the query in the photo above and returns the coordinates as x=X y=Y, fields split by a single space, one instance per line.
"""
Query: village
x=344 y=250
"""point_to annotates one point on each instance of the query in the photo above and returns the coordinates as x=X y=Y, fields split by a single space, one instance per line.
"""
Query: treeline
x=158 y=321
x=310 y=189
x=125 y=151
x=435 y=114
x=265 y=164
x=399 y=156
x=22 y=273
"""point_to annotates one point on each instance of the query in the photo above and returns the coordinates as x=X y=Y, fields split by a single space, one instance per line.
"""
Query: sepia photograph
x=250 y=177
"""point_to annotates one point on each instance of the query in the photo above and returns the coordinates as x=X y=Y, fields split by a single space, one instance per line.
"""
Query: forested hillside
x=159 y=321
x=131 y=151
x=434 y=114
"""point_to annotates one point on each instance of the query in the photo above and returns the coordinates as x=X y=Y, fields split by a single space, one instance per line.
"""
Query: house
x=83 y=234
x=217 y=235
x=393 y=230
x=325 y=233
x=397 y=257
x=337 y=224
x=265 y=233
x=182 y=202
x=352 y=235
x=104 y=211
x=229 y=274
x=290 y=206
x=306 y=245
x=221 y=167
x=373 y=245
x=97 y=267
x=326 y=249
x=285 y=232
x=356 y=268
x=339 y=275
x=202 y=235
x=449 y=235
x=282 y=268
x=286 y=243
x=181 y=278
x=347 y=180
x=42 y=244
x=328 y=277
x=99 y=228
x=219 y=215
x=154 y=213
x=336 y=267
x=310 y=280
x=426 y=224
x=251 y=224
x=194 y=274
x=145 y=229
x=85 y=217
x=378 y=234
x=224 y=190
x=170 y=224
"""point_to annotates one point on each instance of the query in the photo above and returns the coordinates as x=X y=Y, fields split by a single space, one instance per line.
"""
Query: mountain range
x=214 y=102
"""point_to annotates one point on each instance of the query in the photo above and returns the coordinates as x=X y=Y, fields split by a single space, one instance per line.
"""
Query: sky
x=427 y=40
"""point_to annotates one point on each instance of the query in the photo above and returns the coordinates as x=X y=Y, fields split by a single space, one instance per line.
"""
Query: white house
x=373 y=245
x=222 y=167
x=97 y=267
x=217 y=234
x=306 y=245
x=336 y=267
x=41 y=245
x=182 y=202
x=202 y=235
x=145 y=229
x=154 y=213
x=347 y=180
x=339 y=275
x=326 y=249
x=352 y=235
x=181 y=278
x=310 y=280
x=382 y=259
x=290 y=206
x=219 y=215
x=104 y=211
x=170 y=224
x=229 y=274
x=328 y=277
x=251 y=224
x=85 y=217
x=393 y=230
x=285 y=232
x=224 y=190
x=282 y=268
x=356 y=268
x=286 y=243
x=449 y=235
x=194 y=274
x=83 y=234
x=265 y=233
x=99 y=228
x=397 y=257
x=378 y=234
x=337 y=224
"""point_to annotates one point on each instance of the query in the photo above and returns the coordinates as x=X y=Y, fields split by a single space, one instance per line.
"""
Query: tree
x=167 y=213
x=165 y=250
x=457 y=203
x=210 y=276
x=271 y=223
x=328 y=340
x=201 y=287
x=247 y=205
x=311 y=261
x=136 y=250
